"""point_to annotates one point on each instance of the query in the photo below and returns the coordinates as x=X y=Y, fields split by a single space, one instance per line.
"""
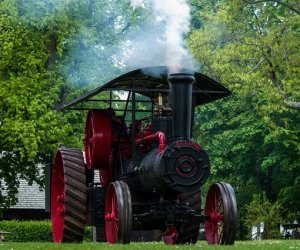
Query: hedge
x=32 y=231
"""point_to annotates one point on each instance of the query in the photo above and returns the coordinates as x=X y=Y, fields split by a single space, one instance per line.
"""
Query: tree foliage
x=260 y=41
x=50 y=52
x=27 y=96
x=252 y=136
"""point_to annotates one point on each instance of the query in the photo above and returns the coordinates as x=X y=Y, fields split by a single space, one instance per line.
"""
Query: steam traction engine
x=141 y=170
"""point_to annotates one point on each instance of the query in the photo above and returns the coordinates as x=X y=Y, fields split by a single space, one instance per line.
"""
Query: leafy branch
x=289 y=6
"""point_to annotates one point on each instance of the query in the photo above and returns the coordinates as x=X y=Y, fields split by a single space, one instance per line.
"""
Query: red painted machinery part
x=159 y=136
x=98 y=139
x=57 y=200
x=221 y=209
x=68 y=196
x=111 y=216
x=171 y=235
x=214 y=208
x=118 y=213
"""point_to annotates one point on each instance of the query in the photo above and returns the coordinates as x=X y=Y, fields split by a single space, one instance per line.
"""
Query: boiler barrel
x=182 y=167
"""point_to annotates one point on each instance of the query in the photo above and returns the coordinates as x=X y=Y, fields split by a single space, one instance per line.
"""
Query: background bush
x=32 y=231
x=27 y=231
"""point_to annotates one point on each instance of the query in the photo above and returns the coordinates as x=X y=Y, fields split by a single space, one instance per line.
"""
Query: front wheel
x=118 y=213
x=221 y=211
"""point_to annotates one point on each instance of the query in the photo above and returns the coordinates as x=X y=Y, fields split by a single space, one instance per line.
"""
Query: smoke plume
x=156 y=39
x=176 y=15
x=161 y=39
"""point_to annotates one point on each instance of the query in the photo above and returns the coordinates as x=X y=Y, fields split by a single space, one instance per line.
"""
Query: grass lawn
x=243 y=245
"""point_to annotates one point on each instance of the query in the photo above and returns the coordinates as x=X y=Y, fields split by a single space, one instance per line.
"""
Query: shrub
x=32 y=231
x=27 y=231
x=262 y=211
x=88 y=234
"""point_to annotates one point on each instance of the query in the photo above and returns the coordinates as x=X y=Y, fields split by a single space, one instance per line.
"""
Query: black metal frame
x=149 y=83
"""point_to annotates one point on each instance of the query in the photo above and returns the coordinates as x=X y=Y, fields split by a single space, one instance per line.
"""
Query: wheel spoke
x=214 y=232
x=216 y=202
x=213 y=203
x=220 y=231
x=218 y=234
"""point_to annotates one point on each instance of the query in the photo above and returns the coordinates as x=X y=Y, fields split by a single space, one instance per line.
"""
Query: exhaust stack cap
x=183 y=78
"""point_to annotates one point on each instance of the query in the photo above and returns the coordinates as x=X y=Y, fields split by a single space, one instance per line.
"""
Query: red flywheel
x=98 y=139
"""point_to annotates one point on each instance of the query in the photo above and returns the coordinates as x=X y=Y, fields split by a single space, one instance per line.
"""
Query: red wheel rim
x=214 y=209
x=111 y=215
x=118 y=213
x=57 y=199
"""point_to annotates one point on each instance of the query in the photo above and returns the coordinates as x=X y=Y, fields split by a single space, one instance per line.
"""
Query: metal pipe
x=160 y=136
x=181 y=100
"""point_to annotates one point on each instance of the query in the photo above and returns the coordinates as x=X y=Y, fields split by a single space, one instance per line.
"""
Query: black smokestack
x=181 y=100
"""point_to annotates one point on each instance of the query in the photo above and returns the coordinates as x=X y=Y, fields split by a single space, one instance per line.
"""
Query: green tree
x=261 y=40
x=261 y=212
x=253 y=136
x=51 y=52
x=30 y=127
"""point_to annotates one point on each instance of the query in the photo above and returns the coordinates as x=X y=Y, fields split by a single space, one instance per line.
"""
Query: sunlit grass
x=244 y=245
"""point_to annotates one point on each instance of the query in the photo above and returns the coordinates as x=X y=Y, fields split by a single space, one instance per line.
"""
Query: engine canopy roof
x=153 y=80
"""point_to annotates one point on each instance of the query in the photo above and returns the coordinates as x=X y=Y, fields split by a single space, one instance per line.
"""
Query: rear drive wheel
x=68 y=196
